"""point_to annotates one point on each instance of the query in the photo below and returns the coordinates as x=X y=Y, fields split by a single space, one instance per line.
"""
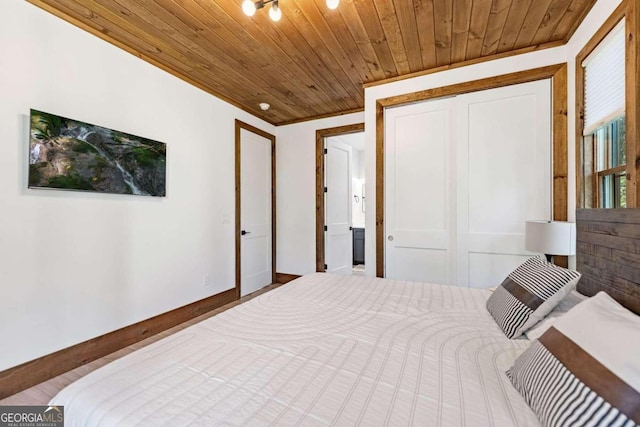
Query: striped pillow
x=529 y=293
x=577 y=375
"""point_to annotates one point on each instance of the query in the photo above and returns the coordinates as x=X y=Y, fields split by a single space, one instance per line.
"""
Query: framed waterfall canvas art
x=72 y=155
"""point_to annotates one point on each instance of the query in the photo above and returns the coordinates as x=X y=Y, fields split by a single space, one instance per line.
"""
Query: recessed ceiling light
x=264 y=106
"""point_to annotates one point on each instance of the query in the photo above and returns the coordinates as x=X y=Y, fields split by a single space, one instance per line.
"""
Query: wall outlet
x=206 y=280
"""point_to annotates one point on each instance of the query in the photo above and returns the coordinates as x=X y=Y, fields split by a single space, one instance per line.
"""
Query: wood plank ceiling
x=314 y=61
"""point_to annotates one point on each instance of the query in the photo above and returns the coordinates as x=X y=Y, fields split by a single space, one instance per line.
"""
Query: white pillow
x=585 y=369
x=528 y=294
x=574 y=298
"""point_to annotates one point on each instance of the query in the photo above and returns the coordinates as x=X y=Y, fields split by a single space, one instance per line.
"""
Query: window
x=605 y=152
x=604 y=145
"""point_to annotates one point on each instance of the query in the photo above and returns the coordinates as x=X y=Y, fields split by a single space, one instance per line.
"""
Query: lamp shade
x=550 y=237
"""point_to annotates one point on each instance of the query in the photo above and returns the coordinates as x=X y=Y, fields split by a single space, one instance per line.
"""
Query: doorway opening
x=340 y=200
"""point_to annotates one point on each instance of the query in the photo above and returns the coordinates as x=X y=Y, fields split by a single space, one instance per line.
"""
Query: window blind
x=604 y=89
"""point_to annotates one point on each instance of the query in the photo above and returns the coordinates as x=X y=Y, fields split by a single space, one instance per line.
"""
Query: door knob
x=245 y=232
x=390 y=238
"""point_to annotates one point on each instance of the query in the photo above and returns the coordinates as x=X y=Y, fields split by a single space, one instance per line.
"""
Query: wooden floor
x=42 y=393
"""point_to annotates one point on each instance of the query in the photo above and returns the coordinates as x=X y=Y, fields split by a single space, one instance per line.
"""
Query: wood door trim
x=321 y=134
x=558 y=75
x=239 y=125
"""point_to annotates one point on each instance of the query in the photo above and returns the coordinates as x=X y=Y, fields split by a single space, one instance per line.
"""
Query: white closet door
x=504 y=177
x=339 y=241
x=420 y=192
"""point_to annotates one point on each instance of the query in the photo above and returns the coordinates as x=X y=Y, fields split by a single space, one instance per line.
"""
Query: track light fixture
x=249 y=7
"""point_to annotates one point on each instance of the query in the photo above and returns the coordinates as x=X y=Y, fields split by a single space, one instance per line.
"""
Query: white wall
x=356 y=141
x=296 y=192
x=567 y=53
x=358 y=163
x=357 y=216
x=77 y=265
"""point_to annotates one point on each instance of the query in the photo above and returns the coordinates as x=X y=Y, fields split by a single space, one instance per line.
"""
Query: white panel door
x=504 y=177
x=255 y=212
x=339 y=241
x=420 y=192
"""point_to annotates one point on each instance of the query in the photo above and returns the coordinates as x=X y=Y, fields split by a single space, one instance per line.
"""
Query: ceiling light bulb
x=264 y=106
x=275 y=13
x=248 y=7
x=332 y=4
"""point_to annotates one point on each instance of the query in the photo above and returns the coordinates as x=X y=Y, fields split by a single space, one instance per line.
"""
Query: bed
x=326 y=350
x=321 y=350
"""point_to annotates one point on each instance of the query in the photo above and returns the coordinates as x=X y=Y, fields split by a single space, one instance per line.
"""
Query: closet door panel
x=419 y=192
x=504 y=177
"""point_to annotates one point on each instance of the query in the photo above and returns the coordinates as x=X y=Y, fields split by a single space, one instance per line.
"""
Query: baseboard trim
x=285 y=277
x=21 y=377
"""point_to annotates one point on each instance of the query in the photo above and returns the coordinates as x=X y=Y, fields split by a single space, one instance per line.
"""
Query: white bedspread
x=321 y=350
